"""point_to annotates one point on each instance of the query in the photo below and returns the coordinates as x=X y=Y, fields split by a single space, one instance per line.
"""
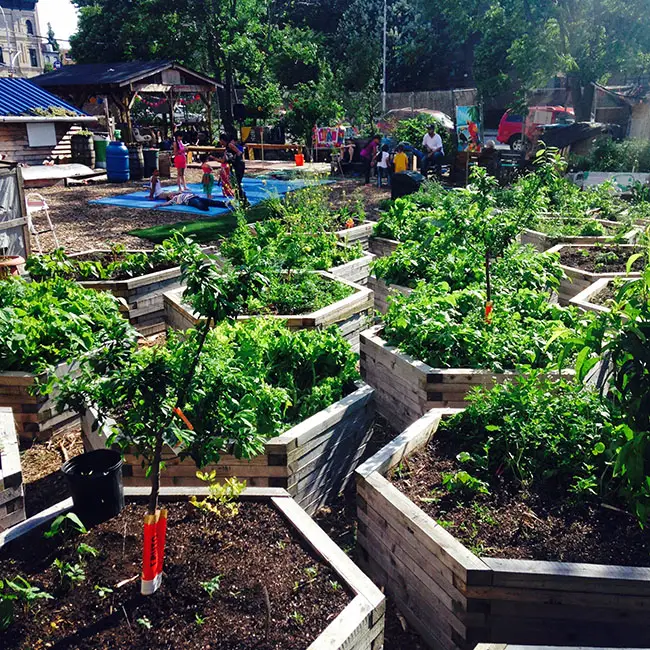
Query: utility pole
x=383 y=86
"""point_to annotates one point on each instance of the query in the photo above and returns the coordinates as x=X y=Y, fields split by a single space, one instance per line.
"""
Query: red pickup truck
x=511 y=124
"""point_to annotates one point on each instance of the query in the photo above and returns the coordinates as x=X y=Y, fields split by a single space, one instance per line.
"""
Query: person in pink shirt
x=180 y=161
x=368 y=154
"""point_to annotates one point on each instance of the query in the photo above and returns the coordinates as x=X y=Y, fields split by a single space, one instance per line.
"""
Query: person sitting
x=400 y=160
x=156 y=191
x=434 y=152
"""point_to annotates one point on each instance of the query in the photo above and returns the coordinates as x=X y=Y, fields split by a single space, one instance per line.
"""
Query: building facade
x=20 y=39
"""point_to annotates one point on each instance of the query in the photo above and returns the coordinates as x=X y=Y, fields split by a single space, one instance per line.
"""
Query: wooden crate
x=360 y=626
x=577 y=280
x=405 y=389
x=542 y=242
x=350 y=314
x=383 y=290
x=356 y=271
x=142 y=294
x=36 y=416
x=313 y=460
x=12 y=495
x=456 y=599
x=358 y=234
x=382 y=247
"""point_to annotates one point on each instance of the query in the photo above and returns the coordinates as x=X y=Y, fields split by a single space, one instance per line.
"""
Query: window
x=30 y=27
x=33 y=61
x=514 y=118
x=41 y=134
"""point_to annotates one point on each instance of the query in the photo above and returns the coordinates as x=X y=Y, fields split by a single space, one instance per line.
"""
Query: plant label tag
x=488 y=313
x=153 y=552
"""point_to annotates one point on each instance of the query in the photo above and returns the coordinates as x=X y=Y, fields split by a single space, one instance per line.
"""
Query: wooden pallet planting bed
x=383 y=290
x=577 y=280
x=12 y=495
x=36 y=416
x=313 y=460
x=357 y=271
x=360 y=626
x=382 y=247
x=586 y=296
x=350 y=314
x=405 y=389
x=358 y=234
x=456 y=599
x=143 y=294
x=542 y=242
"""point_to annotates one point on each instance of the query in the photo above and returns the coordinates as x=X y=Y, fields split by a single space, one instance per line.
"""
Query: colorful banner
x=328 y=136
x=468 y=128
x=153 y=552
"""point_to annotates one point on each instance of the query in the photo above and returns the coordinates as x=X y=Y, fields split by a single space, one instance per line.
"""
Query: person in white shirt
x=383 y=170
x=433 y=150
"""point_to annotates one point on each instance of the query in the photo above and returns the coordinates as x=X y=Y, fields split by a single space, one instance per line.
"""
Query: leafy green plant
x=144 y=622
x=102 y=592
x=85 y=549
x=116 y=264
x=44 y=323
x=212 y=586
x=221 y=498
x=463 y=483
x=20 y=590
x=69 y=574
x=66 y=526
x=297 y=617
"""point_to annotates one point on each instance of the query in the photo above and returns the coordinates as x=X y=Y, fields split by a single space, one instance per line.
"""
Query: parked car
x=511 y=125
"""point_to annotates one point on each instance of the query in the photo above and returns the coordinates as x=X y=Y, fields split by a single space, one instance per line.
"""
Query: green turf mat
x=202 y=230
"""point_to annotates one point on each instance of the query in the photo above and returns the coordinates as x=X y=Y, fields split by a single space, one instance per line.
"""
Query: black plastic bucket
x=95 y=481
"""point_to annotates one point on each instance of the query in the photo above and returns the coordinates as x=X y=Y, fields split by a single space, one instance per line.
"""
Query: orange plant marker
x=153 y=551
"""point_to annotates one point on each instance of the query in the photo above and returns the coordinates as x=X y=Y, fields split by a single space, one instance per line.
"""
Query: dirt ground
x=81 y=226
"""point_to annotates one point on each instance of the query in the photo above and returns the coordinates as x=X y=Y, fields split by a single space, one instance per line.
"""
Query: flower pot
x=95 y=481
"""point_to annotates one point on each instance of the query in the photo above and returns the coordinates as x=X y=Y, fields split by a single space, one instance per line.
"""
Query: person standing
x=234 y=154
x=382 y=166
x=180 y=161
x=433 y=150
x=368 y=154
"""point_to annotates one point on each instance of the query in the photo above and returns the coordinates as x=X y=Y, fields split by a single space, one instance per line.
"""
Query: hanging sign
x=468 y=128
x=328 y=136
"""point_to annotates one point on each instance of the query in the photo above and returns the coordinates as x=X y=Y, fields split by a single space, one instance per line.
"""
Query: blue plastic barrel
x=117 y=162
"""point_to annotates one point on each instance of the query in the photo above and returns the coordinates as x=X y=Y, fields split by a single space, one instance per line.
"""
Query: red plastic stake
x=153 y=551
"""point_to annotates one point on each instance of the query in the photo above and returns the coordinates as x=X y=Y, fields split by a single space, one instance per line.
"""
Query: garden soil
x=250 y=553
x=594 y=261
x=516 y=525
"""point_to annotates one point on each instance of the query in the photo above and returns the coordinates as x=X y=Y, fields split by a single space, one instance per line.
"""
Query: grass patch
x=203 y=230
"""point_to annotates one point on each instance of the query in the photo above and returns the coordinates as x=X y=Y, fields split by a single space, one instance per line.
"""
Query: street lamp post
x=383 y=88
x=11 y=57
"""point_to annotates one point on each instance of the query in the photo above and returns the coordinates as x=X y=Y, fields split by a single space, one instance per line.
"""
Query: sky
x=61 y=14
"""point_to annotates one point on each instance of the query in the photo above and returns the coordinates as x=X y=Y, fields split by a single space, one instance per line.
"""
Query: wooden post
x=23 y=211
x=209 y=103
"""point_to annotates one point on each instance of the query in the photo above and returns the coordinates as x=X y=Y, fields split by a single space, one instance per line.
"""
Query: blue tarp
x=256 y=190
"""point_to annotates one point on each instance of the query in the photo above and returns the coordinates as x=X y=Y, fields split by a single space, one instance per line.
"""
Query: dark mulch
x=41 y=463
x=600 y=259
x=512 y=524
x=606 y=296
x=252 y=551
x=339 y=521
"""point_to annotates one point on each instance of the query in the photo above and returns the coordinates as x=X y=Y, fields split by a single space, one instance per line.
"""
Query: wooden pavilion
x=121 y=83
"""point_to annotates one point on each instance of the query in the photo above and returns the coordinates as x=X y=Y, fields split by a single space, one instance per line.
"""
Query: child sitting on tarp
x=207 y=179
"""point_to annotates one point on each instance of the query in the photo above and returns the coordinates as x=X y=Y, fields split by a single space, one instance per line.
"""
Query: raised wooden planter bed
x=12 y=495
x=358 y=234
x=585 y=297
x=36 y=416
x=357 y=271
x=456 y=599
x=313 y=460
x=382 y=290
x=382 y=247
x=143 y=294
x=405 y=388
x=542 y=242
x=349 y=314
x=577 y=280
x=360 y=626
